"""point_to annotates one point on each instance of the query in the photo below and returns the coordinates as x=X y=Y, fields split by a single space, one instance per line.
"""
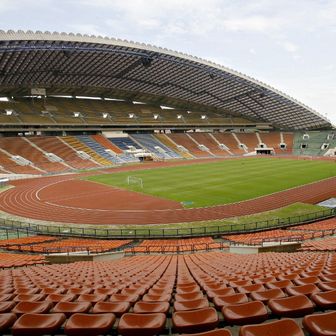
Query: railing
x=75 y=249
x=29 y=228
x=35 y=248
x=162 y=249
x=262 y=241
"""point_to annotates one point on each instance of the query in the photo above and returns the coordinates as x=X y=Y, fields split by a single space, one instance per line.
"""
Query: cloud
x=289 y=46
x=252 y=24
x=9 y=5
x=252 y=51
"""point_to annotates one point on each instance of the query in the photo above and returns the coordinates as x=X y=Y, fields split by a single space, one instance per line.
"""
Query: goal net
x=135 y=181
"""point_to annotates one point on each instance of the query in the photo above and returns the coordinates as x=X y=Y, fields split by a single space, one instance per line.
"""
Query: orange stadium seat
x=268 y=294
x=293 y=306
x=191 y=304
x=131 y=324
x=212 y=294
x=70 y=308
x=216 y=332
x=290 y=327
x=39 y=307
x=325 y=300
x=89 y=324
x=37 y=324
x=307 y=289
x=142 y=307
x=61 y=297
x=195 y=288
x=194 y=321
x=245 y=313
x=223 y=301
x=6 y=321
x=320 y=324
x=117 y=308
x=6 y=306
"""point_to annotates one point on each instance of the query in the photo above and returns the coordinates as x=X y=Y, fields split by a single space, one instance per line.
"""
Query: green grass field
x=228 y=181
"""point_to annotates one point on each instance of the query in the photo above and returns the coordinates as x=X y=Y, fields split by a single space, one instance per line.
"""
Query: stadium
x=145 y=191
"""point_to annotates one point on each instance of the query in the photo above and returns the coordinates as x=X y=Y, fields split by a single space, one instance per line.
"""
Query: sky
x=290 y=45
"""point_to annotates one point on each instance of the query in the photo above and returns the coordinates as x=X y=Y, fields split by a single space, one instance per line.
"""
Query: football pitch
x=222 y=182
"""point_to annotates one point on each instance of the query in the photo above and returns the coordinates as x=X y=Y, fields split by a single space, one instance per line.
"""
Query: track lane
x=25 y=200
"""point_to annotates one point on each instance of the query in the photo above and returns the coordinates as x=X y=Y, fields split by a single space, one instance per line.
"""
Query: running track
x=69 y=200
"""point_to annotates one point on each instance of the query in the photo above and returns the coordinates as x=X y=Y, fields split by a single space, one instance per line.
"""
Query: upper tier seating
x=250 y=140
x=47 y=154
x=106 y=143
x=155 y=146
x=65 y=152
x=184 y=140
x=124 y=143
x=230 y=142
x=313 y=142
x=9 y=166
x=19 y=146
x=163 y=138
x=288 y=138
x=80 y=146
x=272 y=140
x=210 y=142
x=97 y=147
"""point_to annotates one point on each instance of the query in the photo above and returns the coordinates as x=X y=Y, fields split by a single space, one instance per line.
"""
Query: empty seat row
x=9 y=260
x=26 y=240
x=326 y=244
x=69 y=245
x=153 y=324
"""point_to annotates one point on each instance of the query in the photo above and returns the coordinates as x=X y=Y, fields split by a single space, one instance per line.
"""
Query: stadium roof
x=101 y=66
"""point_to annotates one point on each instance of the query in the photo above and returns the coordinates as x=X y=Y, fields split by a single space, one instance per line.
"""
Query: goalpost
x=133 y=180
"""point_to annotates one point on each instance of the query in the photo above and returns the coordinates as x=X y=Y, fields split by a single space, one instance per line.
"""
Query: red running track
x=69 y=200
x=65 y=199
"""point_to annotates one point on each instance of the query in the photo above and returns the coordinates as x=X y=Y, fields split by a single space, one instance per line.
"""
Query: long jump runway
x=68 y=199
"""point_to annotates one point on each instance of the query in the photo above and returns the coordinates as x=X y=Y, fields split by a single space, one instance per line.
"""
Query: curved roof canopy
x=100 y=66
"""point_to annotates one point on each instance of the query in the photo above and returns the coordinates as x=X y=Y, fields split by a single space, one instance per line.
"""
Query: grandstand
x=219 y=155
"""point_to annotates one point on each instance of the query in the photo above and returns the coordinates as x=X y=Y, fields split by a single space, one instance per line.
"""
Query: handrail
x=177 y=248
x=31 y=248
x=162 y=233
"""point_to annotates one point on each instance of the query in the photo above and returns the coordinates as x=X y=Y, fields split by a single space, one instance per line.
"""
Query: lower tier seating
x=258 y=238
x=326 y=244
x=166 y=295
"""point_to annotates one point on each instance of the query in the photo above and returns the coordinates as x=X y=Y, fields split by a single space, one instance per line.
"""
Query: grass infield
x=223 y=182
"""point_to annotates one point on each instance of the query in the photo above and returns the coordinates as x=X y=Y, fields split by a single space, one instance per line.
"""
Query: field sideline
x=222 y=182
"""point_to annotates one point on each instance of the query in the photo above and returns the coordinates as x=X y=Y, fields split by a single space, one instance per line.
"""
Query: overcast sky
x=290 y=45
